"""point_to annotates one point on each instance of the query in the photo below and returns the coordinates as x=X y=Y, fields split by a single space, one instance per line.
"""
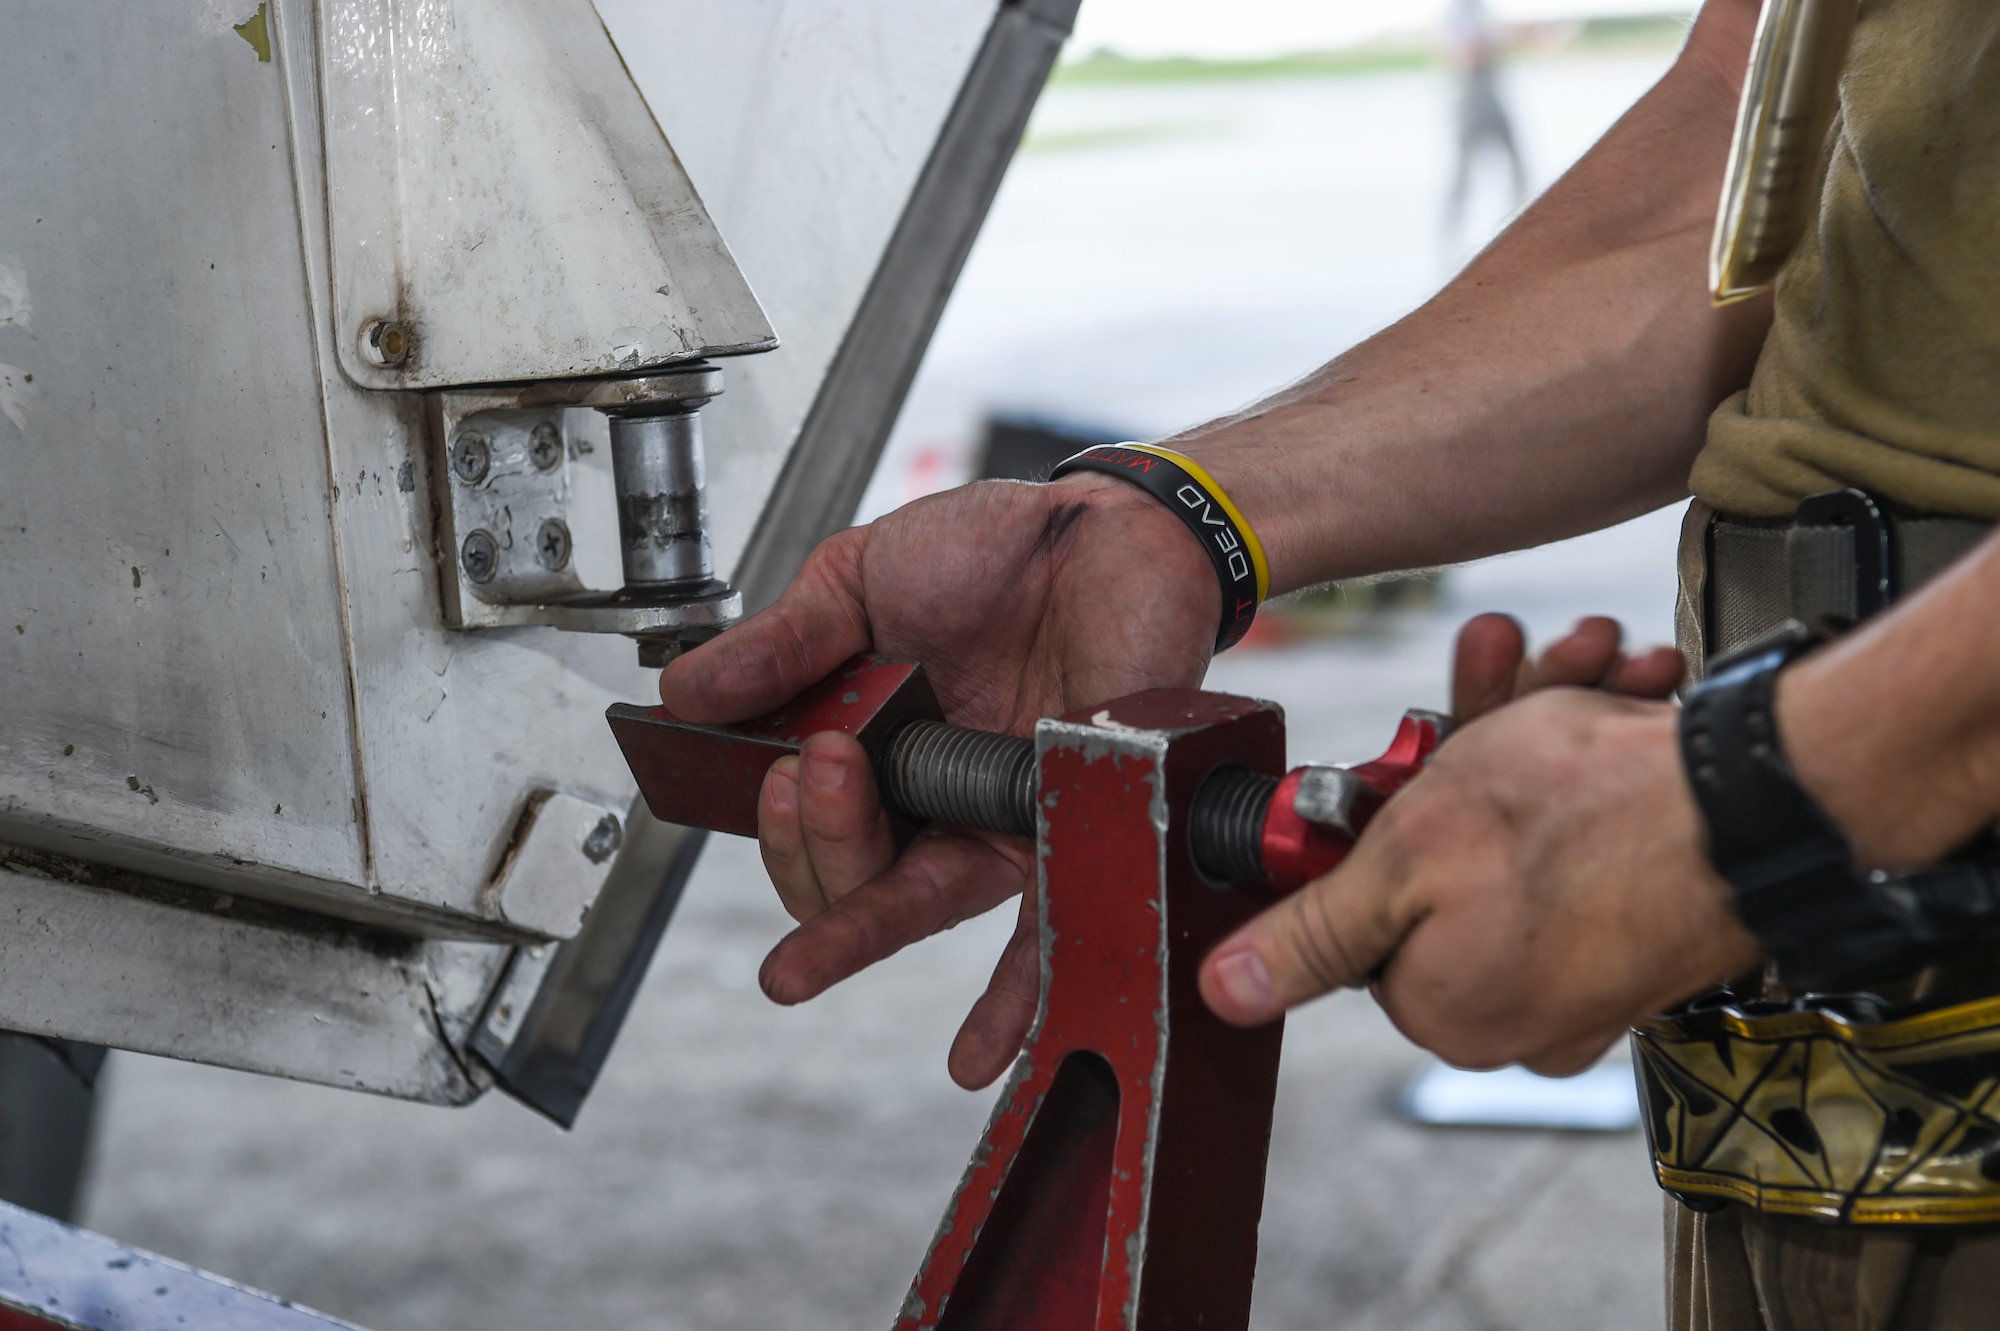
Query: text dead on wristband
x=1179 y=482
x=1225 y=537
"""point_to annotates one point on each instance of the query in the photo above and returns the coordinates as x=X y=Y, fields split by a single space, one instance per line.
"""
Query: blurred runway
x=1165 y=252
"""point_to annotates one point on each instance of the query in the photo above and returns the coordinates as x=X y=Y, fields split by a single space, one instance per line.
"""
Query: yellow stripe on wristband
x=1251 y=545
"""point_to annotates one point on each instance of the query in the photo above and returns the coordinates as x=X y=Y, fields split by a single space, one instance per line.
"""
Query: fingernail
x=772 y=983
x=784 y=792
x=825 y=775
x=1246 y=981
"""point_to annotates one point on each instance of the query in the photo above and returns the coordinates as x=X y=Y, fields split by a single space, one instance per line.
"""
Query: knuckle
x=779 y=839
x=863 y=939
x=798 y=889
x=779 y=842
x=1413 y=817
x=1314 y=944
x=1440 y=1012
x=789 y=647
x=778 y=828
x=836 y=825
x=1463 y=1050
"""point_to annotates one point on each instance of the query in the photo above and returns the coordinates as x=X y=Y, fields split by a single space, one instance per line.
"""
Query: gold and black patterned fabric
x=1838 y=1109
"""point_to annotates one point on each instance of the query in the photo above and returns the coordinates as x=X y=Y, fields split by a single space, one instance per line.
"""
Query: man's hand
x=1021 y=601
x=1545 y=881
x=1542 y=885
x=1491 y=666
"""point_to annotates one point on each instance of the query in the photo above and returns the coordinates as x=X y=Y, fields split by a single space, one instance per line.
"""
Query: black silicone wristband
x=1230 y=547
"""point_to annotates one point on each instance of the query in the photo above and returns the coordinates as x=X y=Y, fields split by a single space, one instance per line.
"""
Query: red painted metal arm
x=1119 y=1183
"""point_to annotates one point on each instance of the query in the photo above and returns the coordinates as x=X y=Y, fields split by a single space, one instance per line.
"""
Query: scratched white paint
x=15 y=390
x=308 y=730
x=15 y=307
x=496 y=182
x=212 y=18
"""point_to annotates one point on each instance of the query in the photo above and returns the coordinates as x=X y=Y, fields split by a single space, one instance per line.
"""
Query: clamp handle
x=1245 y=827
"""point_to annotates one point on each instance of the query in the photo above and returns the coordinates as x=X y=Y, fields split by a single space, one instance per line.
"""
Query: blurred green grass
x=1414 y=51
x=1108 y=136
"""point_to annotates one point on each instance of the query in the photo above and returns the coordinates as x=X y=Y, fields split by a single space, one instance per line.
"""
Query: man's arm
x=1896 y=730
x=1560 y=384
x=1545 y=883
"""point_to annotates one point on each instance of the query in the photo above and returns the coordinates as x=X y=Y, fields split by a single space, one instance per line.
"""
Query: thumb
x=1332 y=934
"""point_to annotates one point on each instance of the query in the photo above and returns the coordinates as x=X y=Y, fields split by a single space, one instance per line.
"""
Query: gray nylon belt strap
x=1759 y=576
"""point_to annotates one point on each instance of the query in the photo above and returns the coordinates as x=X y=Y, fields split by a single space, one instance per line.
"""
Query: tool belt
x=1875 y=1108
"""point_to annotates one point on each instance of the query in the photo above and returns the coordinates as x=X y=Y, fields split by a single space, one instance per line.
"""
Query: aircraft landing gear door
x=386 y=387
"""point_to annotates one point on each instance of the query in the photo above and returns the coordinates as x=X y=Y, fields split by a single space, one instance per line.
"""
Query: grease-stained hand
x=1538 y=888
x=1021 y=601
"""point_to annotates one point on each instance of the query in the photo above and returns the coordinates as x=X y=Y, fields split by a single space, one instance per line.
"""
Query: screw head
x=471 y=455
x=480 y=556
x=545 y=446
x=603 y=839
x=552 y=545
x=385 y=342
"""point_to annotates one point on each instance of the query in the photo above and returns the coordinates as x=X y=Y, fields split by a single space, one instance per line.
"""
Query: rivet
x=471 y=456
x=545 y=446
x=552 y=545
x=480 y=556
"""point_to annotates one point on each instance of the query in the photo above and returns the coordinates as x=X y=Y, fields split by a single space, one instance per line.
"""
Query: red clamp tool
x=1121 y=1178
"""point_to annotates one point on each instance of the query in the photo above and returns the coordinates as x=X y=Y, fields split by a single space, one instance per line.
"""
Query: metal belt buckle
x=1836 y=584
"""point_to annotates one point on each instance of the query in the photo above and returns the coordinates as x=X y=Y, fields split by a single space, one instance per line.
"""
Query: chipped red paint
x=1121 y=1177
x=1295 y=851
x=1120 y=1181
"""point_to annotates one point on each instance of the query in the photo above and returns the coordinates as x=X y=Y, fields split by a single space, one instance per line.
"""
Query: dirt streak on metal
x=244 y=910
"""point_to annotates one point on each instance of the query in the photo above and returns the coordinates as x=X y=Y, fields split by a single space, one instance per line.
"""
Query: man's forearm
x=1896 y=729
x=1560 y=384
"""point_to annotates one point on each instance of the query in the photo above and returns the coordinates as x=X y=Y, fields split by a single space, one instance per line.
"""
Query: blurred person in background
x=1785 y=891
x=1482 y=120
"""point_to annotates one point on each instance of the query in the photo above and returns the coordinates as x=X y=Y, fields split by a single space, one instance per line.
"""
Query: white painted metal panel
x=812 y=120
x=804 y=125
x=274 y=707
x=496 y=185
x=208 y=977
x=172 y=671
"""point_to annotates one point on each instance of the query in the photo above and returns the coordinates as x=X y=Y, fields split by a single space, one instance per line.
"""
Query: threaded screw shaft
x=968 y=778
x=976 y=778
x=1226 y=824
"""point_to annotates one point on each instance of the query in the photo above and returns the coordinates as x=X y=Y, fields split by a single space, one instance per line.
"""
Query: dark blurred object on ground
x=47 y=1106
x=1024 y=447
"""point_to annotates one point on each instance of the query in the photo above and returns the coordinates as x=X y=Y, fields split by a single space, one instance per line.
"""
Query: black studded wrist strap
x=1824 y=921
